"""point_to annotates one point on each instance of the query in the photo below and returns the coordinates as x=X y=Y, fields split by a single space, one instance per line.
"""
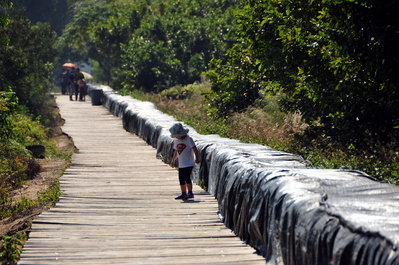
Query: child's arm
x=196 y=154
x=174 y=159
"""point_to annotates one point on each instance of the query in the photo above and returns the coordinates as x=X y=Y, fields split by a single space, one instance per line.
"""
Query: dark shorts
x=185 y=175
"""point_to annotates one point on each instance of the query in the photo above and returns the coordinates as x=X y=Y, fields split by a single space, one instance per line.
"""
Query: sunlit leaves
x=7 y=107
x=184 y=37
x=150 y=45
x=335 y=61
x=26 y=61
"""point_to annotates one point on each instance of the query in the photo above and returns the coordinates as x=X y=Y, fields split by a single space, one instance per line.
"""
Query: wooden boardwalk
x=118 y=206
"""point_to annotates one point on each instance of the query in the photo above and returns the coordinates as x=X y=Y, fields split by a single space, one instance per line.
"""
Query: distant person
x=82 y=90
x=71 y=85
x=77 y=76
x=187 y=154
x=64 y=81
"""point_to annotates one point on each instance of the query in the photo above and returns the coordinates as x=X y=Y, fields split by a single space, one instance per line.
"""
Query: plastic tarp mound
x=311 y=216
x=289 y=213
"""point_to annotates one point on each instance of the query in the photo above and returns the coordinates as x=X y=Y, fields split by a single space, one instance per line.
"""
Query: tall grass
x=265 y=124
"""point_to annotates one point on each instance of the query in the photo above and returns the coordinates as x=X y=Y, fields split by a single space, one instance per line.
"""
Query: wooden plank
x=119 y=205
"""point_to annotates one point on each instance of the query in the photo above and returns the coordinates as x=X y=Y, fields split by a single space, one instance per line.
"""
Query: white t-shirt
x=184 y=150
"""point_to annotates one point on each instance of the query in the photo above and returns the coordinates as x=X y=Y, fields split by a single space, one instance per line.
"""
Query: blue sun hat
x=178 y=130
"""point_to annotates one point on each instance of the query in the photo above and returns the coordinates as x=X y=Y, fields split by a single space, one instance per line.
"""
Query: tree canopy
x=27 y=55
x=54 y=12
x=336 y=61
x=151 y=45
x=27 y=60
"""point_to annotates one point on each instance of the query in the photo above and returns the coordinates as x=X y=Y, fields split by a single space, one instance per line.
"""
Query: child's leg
x=183 y=188
x=185 y=180
x=181 y=180
x=190 y=187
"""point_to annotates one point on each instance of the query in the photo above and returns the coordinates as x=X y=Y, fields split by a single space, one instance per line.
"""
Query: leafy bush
x=179 y=92
x=52 y=194
x=26 y=55
x=11 y=248
x=8 y=103
x=27 y=61
x=17 y=164
x=335 y=61
x=29 y=132
x=264 y=123
x=151 y=45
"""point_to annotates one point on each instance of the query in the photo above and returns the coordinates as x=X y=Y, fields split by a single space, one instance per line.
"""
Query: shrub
x=178 y=92
x=265 y=124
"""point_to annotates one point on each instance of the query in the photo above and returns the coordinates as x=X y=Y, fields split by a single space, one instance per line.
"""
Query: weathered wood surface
x=119 y=207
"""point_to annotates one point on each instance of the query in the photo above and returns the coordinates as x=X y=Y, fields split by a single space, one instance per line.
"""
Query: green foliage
x=4 y=19
x=97 y=30
x=52 y=194
x=179 y=91
x=25 y=68
x=265 y=124
x=150 y=45
x=334 y=60
x=190 y=109
x=11 y=248
x=26 y=61
x=9 y=207
x=380 y=162
x=202 y=183
x=174 y=46
x=233 y=88
x=16 y=162
x=7 y=107
x=54 y=12
x=28 y=132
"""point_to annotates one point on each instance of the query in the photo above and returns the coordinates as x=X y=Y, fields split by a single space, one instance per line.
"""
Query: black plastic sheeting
x=289 y=213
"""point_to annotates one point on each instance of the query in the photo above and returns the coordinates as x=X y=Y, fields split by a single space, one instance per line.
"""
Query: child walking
x=187 y=154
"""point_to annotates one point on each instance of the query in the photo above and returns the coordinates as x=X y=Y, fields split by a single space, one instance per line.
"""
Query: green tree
x=335 y=61
x=7 y=108
x=26 y=56
x=183 y=37
x=150 y=44
x=4 y=5
x=6 y=97
x=97 y=29
x=54 y=12
x=27 y=60
x=235 y=83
